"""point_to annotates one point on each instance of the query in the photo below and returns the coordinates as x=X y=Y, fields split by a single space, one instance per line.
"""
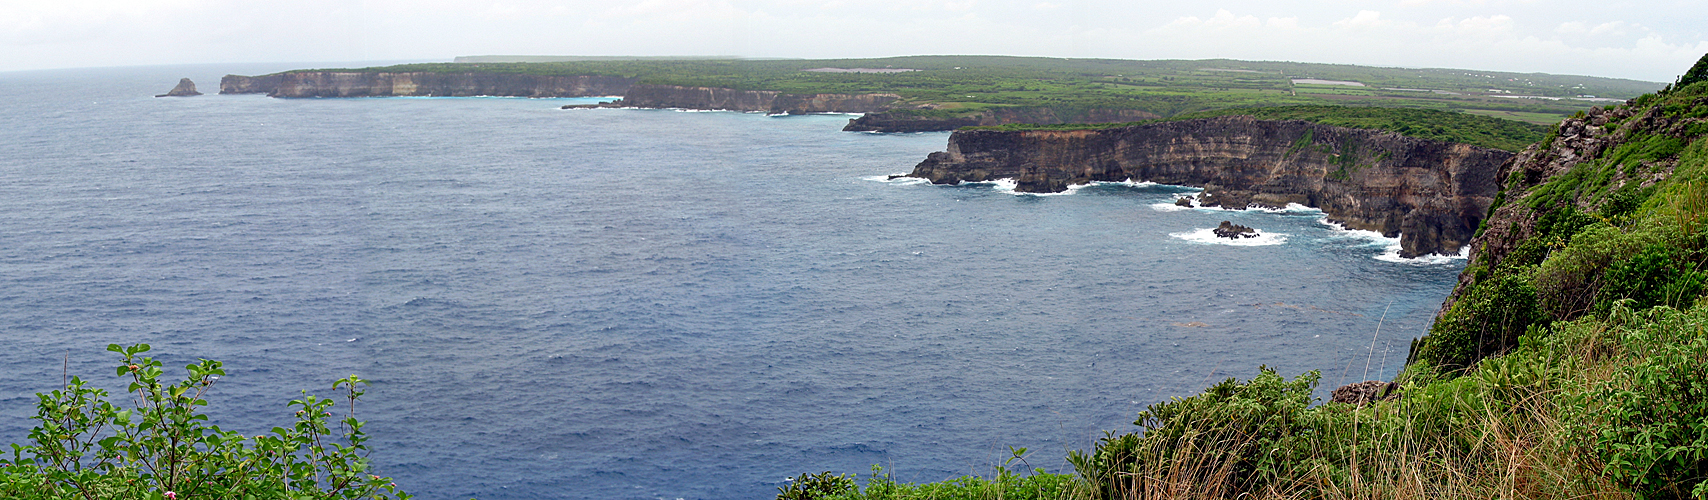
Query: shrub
x=1234 y=437
x=1659 y=275
x=161 y=447
x=816 y=486
x=1488 y=320
x=1653 y=435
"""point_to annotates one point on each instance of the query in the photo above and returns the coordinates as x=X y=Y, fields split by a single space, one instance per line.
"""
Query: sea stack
x=185 y=88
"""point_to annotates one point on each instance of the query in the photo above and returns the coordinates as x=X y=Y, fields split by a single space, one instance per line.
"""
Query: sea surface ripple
x=638 y=303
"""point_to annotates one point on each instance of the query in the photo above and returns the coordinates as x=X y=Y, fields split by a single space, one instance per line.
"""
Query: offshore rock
x=772 y=102
x=185 y=88
x=363 y=84
x=1431 y=194
x=907 y=120
x=1366 y=392
x=1233 y=231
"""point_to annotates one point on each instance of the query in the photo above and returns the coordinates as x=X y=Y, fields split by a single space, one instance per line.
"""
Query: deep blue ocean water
x=638 y=303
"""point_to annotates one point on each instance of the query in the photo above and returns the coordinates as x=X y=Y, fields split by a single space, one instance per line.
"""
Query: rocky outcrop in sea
x=1430 y=194
x=1229 y=230
x=185 y=88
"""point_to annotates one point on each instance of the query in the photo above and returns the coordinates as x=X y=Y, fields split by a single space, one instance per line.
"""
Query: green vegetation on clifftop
x=1570 y=362
x=962 y=84
x=1434 y=125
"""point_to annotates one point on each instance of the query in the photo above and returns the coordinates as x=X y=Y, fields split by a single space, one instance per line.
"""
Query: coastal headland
x=1431 y=194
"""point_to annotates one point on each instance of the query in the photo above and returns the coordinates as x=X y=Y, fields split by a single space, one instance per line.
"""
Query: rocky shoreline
x=1432 y=195
x=880 y=111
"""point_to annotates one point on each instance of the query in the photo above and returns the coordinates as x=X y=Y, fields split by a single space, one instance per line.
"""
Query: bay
x=638 y=303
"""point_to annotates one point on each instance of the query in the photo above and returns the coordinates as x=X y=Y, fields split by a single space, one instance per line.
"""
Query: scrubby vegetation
x=958 y=85
x=161 y=447
x=1429 y=124
x=1571 y=363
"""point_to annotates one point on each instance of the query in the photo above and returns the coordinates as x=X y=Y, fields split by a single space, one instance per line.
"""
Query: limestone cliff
x=1431 y=194
x=362 y=84
x=673 y=96
x=239 y=84
x=913 y=120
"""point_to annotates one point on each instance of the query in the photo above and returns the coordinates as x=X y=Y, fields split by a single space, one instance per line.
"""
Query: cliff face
x=904 y=121
x=239 y=84
x=672 y=96
x=1431 y=194
x=350 y=84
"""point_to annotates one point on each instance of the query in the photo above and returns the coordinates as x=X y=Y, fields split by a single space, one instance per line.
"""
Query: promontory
x=1431 y=194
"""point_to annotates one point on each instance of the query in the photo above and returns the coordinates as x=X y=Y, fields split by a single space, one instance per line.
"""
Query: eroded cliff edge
x=917 y=120
x=1431 y=194
x=773 y=102
x=364 y=84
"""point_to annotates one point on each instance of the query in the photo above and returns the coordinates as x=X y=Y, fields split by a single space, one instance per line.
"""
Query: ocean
x=640 y=304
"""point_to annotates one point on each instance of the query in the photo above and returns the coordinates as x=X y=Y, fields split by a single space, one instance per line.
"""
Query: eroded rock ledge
x=1431 y=194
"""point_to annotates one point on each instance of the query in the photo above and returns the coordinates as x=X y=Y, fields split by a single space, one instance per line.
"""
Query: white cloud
x=1614 y=28
x=1364 y=19
x=1570 y=36
x=1222 y=19
x=959 y=6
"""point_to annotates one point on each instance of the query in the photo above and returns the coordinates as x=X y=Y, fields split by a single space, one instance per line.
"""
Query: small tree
x=160 y=447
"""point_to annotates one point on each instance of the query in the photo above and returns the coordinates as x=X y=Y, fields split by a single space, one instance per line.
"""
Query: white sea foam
x=1391 y=246
x=1392 y=254
x=1371 y=238
x=895 y=180
x=1208 y=236
x=1290 y=209
x=1129 y=183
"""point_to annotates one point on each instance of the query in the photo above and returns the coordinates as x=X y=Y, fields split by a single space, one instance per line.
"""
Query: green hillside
x=1571 y=363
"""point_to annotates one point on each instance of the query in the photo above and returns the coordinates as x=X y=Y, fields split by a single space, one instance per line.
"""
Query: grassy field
x=1167 y=88
x=1537 y=118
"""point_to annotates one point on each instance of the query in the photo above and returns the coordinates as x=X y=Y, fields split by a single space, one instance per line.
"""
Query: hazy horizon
x=1648 y=41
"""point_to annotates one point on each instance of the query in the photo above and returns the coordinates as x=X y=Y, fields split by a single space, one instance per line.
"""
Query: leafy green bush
x=816 y=486
x=1485 y=321
x=161 y=447
x=1659 y=275
x=1653 y=428
x=1234 y=437
x=1567 y=283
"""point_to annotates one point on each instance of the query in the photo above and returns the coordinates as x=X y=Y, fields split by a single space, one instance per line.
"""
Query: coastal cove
x=623 y=303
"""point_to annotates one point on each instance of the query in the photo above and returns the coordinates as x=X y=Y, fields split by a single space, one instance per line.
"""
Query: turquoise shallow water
x=638 y=303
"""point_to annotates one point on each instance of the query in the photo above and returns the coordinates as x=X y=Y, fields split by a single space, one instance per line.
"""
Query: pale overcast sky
x=1652 y=41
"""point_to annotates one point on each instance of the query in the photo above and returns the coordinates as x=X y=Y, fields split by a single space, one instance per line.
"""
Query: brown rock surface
x=185 y=88
x=1366 y=392
x=1430 y=194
